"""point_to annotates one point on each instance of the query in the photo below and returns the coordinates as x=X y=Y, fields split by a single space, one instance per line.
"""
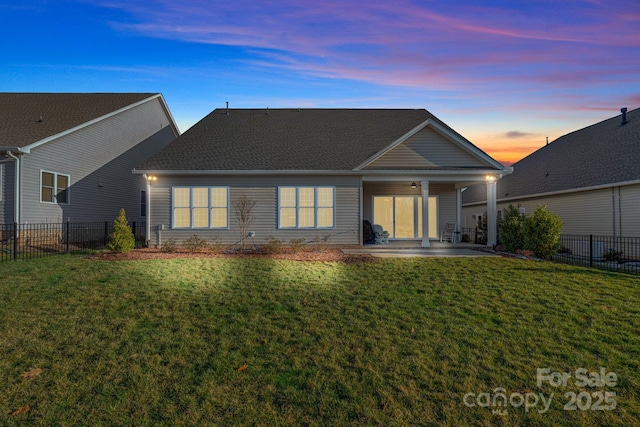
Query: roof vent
x=40 y=119
x=624 y=116
x=227 y=108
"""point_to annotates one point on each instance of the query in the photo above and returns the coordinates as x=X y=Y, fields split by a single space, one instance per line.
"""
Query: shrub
x=169 y=246
x=542 y=232
x=612 y=255
x=481 y=231
x=512 y=229
x=297 y=245
x=195 y=244
x=273 y=245
x=122 y=239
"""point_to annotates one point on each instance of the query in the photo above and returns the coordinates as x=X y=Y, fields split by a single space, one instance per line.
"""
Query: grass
x=258 y=341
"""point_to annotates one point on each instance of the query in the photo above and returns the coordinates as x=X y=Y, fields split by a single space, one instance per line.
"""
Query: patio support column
x=491 y=212
x=459 y=212
x=425 y=214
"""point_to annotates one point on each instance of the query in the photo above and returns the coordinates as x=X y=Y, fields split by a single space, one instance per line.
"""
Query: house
x=590 y=178
x=69 y=156
x=314 y=173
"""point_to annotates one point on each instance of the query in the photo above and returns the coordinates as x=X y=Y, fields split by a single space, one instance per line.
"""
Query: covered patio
x=415 y=209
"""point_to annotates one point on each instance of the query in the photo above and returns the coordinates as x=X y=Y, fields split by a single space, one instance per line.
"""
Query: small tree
x=512 y=229
x=542 y=232
x=122 y=239
x=243 y=209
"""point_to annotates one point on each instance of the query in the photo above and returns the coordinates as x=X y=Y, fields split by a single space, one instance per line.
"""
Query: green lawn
x=258 y=341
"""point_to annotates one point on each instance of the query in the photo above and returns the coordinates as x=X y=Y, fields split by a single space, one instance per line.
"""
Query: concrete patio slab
x=406 y=253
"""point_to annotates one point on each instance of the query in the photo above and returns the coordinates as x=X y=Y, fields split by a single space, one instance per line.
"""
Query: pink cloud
x=472 y=48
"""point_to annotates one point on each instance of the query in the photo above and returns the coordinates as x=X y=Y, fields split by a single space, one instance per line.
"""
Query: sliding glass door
x=401 y=216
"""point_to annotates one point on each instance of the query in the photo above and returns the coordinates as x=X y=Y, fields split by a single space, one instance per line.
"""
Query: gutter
x=365 y=173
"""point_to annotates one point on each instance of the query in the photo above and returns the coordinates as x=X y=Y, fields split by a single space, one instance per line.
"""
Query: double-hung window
x=54 y=187
x=200 y=207
x=143 y=203
x=306 y=207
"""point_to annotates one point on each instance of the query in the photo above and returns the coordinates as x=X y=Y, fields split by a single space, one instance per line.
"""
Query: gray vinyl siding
x=99 y=160
x=7 y=189
x=630 y=210
x=426 y=149
x=585 y=212
x=264 y=191
x=446 y=198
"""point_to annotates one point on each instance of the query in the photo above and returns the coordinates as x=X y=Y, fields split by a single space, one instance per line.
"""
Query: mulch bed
x=324 y=255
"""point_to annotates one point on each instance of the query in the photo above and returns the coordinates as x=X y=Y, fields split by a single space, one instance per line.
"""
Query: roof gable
x=426 y=149
x=28 y=118
x=288 y=139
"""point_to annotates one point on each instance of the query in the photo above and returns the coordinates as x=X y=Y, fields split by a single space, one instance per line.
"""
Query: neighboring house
x=590 y=178
x=313 y=173
x=69 y=156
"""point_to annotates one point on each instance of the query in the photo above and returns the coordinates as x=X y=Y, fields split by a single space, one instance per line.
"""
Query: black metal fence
x=26 y=241
x=605 y=252
x=473 y=235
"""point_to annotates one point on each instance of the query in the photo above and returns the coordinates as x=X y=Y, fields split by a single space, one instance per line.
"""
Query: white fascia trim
x=28 y=148
x=165 y=107
x=394 y=144
x=18 y=151
x=560 y=192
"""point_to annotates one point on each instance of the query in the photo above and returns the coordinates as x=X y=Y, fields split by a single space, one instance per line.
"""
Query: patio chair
x=446 y=235
x=381 y=235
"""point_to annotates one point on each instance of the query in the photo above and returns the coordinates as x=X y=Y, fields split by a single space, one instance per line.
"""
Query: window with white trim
x=200 y=207
x=54 y=187
x=143 y=203
x=306 y=207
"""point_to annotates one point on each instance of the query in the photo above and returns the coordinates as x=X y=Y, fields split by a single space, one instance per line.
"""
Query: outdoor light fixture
x=151 y=178
x=490 y=178
x=413 y=185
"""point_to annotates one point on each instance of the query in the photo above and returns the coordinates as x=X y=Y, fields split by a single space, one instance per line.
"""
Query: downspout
x=17 y=198
x=148 y=209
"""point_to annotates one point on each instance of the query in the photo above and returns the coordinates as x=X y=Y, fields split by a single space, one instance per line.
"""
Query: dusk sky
x=506 y=75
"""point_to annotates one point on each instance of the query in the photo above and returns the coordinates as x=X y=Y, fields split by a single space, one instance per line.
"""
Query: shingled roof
x=26 y=118
x=604 y=153
x=287 y=139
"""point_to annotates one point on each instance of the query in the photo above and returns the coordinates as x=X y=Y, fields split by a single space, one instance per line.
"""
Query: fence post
x=15 y=241
x=106 y=233
x=590 y=250
x=68 y=235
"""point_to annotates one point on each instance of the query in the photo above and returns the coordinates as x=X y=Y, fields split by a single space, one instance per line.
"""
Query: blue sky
x=506 y=75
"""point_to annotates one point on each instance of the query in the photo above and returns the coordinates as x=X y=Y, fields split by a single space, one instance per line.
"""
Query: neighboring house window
x=200 y=207
x=54 y=187
x=143 y=203
x=306 y=207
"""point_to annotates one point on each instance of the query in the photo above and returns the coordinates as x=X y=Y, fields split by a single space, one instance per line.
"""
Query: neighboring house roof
x=604 y=153
x=27 y=118
x=293 y=139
